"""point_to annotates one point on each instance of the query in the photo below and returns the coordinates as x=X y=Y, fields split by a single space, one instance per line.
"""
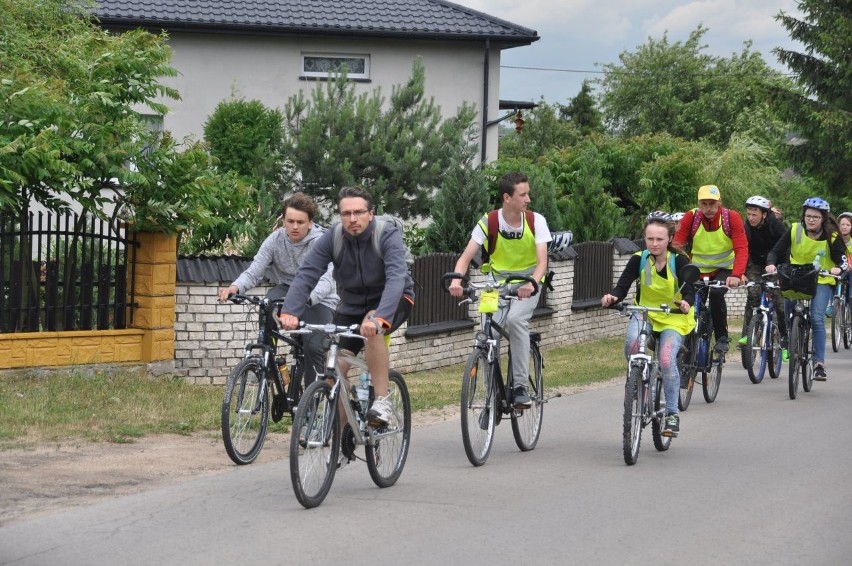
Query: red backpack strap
x=696 y=222
x=530 y=220
x=493 y=228
x=726 y=221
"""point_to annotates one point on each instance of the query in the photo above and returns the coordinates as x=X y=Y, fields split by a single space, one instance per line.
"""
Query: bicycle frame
x=761 y=348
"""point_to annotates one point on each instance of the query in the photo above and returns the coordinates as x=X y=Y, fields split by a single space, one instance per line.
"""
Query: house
x=269 y=50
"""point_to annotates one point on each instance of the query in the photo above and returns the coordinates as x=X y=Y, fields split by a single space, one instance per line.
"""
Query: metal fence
x=592 y=273
x=64 y=272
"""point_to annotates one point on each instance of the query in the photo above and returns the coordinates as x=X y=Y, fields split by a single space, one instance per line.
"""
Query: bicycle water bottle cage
x=489 y=301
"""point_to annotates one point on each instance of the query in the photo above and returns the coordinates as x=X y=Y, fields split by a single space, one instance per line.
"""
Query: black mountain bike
x=697 y=356
x=262 y=384
x=762 y=349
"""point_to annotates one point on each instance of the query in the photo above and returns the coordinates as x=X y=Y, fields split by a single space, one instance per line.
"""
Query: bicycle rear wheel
x=754 y=351
x=686 y=365
x=836 y=325
x=634 y=413
x=796 y=351
x=807 y=360
x=526 y=424
x=245 y=411
x=661 y=443
x=314 y=445
x=773 y=352
x=712 y=380
x=847 y=326
x=386 y=455
x=478 y=408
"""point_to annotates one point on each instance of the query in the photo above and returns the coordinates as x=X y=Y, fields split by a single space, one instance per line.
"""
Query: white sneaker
x=381 y=411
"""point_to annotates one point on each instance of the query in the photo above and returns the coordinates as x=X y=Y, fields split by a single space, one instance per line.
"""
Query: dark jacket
x=762 y=238
x=365 y=280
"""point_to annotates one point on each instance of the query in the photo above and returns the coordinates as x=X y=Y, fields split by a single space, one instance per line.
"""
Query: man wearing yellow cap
x=718 y=245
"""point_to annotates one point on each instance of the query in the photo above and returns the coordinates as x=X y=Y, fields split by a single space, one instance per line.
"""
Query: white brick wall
x=209 y=337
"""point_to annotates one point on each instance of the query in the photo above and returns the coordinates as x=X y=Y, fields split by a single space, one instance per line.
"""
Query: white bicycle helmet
x=678 y=216
x=845 y=215
x=560 y=242
x=759 y=202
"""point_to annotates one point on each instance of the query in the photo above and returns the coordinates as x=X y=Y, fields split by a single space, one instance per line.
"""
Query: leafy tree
x=582 y=112
x=398 y=152
x=678 y=89
x=822 y=112
x=544 y=129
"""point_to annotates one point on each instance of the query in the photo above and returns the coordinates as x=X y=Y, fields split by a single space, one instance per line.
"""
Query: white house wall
x=213 y=68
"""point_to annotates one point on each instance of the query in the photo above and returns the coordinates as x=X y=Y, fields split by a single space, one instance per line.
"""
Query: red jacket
x=738 y=235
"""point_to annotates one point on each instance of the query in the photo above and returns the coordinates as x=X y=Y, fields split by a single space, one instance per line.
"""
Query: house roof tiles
x=407 y=18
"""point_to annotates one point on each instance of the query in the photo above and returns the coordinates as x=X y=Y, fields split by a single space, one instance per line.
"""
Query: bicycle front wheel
x=712 y=379
x=754 y=351
x=245 y=411
x=314 y=445
x=807 y=360
x=634 y=413
x=387 y=453
x=836 y=325
x=773 y=353
x=478 y=408
x=526 y=424
x=686 y=365
x=796 y=352
x=661 y=443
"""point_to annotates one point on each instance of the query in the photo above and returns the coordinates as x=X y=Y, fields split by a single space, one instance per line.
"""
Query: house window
x=315 y=65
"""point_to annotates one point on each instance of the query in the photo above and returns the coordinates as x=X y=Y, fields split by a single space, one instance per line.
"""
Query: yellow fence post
x=156 y=275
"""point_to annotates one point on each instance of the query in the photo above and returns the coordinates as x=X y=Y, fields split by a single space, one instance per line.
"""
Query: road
x=754 y=478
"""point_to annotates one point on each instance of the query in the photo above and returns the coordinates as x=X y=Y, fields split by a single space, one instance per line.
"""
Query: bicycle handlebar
x=350 y=331
x=627 y=308
x=470 y=287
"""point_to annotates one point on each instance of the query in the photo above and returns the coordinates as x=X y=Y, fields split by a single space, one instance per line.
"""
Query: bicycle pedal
x=669 y=434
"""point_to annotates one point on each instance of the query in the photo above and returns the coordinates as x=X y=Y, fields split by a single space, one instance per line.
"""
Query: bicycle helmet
x=760 y=202
x=678 y=216
x=658 y=216
x=558 y=246
x=816 y=203
x=845 y=215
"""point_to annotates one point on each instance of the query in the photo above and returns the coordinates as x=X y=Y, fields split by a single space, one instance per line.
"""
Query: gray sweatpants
x=514 y=317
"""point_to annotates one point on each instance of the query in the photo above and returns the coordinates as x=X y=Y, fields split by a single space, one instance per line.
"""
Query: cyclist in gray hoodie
x=376 y=290
x=280 y=256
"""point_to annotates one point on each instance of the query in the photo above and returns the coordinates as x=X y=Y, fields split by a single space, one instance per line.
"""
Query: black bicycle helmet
x=658 y=216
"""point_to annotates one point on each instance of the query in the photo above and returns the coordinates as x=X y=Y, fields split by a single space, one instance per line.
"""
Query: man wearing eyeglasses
x=520 y=248
x=376 y=290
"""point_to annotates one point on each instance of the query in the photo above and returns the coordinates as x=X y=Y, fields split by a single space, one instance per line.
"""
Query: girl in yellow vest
x=814 y=236
x=659 y=286
x=844 y=225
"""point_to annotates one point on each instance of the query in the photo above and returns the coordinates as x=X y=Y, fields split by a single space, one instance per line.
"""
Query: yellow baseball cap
x=709 y=192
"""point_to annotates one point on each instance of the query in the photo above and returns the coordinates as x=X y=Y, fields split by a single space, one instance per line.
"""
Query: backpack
x=696 y=222
x=382 y=220
x=494 y=228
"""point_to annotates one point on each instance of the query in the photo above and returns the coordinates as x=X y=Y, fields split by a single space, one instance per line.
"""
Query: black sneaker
x=672 y=426
x=722 y=344
x=521 y=397
x=819 y=373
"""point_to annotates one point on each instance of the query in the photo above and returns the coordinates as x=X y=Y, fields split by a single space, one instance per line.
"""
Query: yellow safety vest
x=655 y=290
x=803 y=250
x=515 y=255
x=712 y=251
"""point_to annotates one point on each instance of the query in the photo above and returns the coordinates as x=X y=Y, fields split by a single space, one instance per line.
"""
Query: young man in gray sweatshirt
x=281 y=255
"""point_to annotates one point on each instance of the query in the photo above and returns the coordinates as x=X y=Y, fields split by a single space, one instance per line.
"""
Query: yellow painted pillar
x=156 y=276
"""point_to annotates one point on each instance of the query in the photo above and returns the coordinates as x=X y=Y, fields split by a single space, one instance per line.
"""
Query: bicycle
x=246 y=406
x=697 y=355
x=800 y=349
x=763 y=339
x=643 y=388
x=841 y=320
x=485 y=397
x=319 y=436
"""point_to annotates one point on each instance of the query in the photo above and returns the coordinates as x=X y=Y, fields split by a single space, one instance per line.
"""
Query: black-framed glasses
x=354 y=213
x=809 y=217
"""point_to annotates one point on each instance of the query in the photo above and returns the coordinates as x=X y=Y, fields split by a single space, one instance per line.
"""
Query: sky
x=578 y=37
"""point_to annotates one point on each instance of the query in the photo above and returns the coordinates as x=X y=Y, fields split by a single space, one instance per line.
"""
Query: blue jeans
x=824 y=295
x=668 y=345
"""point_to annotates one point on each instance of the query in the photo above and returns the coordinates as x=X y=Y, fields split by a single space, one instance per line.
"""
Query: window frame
x=318 y=75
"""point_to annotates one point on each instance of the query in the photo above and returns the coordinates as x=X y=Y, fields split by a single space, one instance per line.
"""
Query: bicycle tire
x=712 y=380
x=478 y=408
x=847 y=325
x=795 y=350
x=661 y=443
x=686 y=368
x=314 y=445
x=836 y=328
x=526 y=424
x=386 y=455
x=775 y=361
x=807 y=361
x=245 y=415
x=754 y=351
x=634 y=413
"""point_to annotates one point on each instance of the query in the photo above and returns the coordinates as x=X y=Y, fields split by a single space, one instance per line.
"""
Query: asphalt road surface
x=754 y=478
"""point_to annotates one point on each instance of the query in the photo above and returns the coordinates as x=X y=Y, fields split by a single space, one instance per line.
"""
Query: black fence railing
x=434 y=309
x=64 y=272
x=592 y=273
